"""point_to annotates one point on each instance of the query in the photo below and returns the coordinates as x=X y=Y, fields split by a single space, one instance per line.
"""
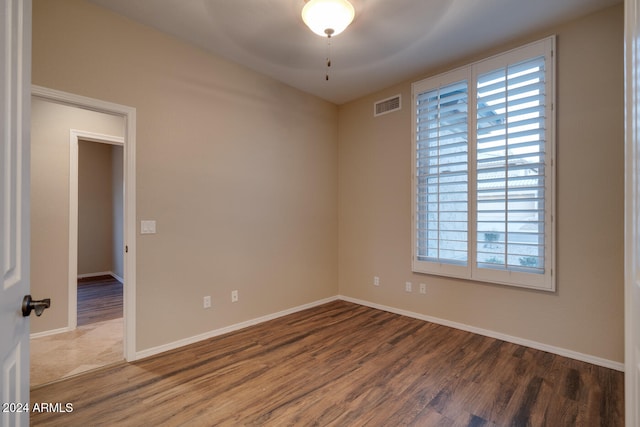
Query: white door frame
x=129 y=115
x=74 y=136
x=632 y=212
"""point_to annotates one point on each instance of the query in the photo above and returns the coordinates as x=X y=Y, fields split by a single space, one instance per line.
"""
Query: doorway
x=50 y=274
x=99 y=247
x=96 y=254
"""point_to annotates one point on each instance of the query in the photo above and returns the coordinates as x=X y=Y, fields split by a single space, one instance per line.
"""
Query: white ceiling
x=388 y=41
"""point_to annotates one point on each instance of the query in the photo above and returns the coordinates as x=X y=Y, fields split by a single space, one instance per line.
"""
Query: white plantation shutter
x=483 y=170
x=442 y=174
x=510 y=170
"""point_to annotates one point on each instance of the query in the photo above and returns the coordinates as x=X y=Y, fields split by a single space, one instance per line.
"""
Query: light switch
x=147 y=227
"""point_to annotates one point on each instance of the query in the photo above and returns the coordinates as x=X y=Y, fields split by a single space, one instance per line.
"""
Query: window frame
x=471 y=271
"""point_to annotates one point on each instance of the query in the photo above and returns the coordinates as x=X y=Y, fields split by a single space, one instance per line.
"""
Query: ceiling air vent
x=385 y=106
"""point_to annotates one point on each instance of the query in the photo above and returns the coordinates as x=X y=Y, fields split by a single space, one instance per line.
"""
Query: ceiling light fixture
x=327 y=18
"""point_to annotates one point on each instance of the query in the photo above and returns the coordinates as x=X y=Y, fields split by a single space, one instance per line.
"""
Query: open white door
x=15 y=90
x=632 y=212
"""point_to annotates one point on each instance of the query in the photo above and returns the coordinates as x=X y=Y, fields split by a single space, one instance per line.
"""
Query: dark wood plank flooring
x=99 y=299
x=342 y=364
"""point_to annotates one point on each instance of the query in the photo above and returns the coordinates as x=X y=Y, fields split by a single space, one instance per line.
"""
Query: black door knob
x=29 y=304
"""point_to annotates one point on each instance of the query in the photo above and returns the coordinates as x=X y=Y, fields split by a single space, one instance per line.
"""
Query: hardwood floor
x=99 y=299
x=342 y=364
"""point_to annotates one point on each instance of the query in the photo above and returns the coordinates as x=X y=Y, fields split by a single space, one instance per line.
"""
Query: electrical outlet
x=376 y=281
x=234 y=296
x=206 y=302
x=423 y=288
x=407 y=286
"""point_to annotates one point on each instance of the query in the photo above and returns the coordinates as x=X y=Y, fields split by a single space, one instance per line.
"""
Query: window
x=483 y=170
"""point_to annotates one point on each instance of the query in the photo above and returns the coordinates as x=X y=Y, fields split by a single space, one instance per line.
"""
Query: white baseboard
x=97 y=274
x=48 y=333
x=101 y=273
x=618 y=366
x=217 y=332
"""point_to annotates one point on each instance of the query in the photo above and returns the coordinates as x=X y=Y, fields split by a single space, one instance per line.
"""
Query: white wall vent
x=388 y=105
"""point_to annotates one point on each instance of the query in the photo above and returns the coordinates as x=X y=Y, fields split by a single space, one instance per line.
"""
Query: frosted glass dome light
x=328 y=17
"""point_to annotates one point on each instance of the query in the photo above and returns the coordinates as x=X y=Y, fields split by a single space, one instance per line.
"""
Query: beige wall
x=50 y=126
x=95 y=208
x=100 y=208
x=238 y=170
x=586 y=313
